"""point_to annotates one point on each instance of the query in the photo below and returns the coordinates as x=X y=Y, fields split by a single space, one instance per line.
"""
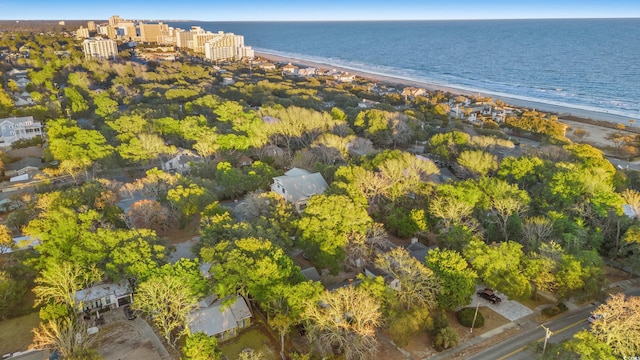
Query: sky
x=296 y=10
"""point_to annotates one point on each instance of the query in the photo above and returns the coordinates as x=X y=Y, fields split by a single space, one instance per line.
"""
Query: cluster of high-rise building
x=213 y=46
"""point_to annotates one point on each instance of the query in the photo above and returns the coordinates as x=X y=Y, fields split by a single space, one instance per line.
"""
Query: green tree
x=75 y=99
x=250 y=266
x=457 y=279
x=200 y=346
x=478 y=162
x=75 y=147
x=583 y=346
x=11 y=292
x=6 y=240
x=325 y=225
x=500 y=266
x=504 y=202
x=187 y=200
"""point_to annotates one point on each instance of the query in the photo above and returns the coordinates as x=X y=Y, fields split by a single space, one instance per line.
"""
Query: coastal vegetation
x=521 y=219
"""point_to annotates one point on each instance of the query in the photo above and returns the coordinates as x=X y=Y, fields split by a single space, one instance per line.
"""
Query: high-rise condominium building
x=96 y=48
x=200 y=37
x=115 y=20
x=152 y=32
x=184 y=39
x=91 y=25
x=226 y=47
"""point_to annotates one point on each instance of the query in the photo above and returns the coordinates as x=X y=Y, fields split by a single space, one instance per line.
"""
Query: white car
x=593 y=318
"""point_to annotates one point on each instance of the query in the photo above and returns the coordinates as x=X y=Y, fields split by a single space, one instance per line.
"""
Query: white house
x=16 y=128
x=216 y=319
x=103 y=296
x=290 y=69
x=181 y=162
x=298 y=185
x=307 y=72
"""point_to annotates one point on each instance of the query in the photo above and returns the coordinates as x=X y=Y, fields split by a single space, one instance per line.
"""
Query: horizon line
x=345 y=20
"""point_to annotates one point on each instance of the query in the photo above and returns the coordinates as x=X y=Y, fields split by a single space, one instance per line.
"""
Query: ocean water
x=590 y=64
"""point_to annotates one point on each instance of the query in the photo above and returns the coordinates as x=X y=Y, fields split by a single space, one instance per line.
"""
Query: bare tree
x=418 y=284
x=59 y=282
x=581 y=134
x=450 y=211
x=536 y=230
x=632 y=198
x=67 y=335
x=345 y=320
x=168 y=300
x=150 y=214
x=616 y=324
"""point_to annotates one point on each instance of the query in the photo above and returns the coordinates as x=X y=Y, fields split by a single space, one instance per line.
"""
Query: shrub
x=446 y=338
x=25 y=143
x=554 y=310
x=465 y=317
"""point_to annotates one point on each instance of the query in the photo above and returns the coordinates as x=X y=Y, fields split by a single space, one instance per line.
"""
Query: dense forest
x=520 y=219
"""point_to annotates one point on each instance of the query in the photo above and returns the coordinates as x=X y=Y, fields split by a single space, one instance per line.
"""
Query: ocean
x=589 y=64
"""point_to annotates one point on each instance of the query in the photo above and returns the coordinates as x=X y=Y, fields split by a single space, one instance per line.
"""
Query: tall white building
x=200 y=37
x=226 y=46
x=96 y=48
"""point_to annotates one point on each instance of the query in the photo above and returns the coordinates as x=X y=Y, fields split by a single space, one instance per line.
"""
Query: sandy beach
x=562 y=111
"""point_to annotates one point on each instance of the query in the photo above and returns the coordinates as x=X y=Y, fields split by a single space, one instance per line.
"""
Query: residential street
x=562 y=328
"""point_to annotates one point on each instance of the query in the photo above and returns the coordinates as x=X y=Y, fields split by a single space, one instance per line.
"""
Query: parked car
x=128 y=313
x=488 y=294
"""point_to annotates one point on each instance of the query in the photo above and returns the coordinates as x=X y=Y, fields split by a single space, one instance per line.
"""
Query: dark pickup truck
x=489 y=295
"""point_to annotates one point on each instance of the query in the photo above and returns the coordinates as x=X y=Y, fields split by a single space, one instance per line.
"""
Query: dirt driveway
x=129 y=339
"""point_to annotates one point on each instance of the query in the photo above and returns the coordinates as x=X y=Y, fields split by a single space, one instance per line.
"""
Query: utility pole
x=547 y=335
x=474 y=318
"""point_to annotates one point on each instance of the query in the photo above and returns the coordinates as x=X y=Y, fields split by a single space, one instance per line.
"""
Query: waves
x=588 y=64
x=544 y=95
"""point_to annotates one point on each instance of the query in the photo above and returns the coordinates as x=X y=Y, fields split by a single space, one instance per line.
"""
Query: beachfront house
x=297 y=186
x=411 y=92
x=289 y=69
x=307 y=72
x=218 y=319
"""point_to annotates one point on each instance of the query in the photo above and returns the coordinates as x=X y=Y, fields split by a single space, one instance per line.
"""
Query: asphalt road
x=562 y=328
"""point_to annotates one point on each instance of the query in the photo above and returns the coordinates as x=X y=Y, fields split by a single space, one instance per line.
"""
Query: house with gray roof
x=23 y=166
x=298 y=185
x=181 y=162
x=220 y=320
x=16 y=128
x=103 y=296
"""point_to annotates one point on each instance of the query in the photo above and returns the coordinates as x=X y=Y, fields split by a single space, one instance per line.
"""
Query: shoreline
x=572 y=113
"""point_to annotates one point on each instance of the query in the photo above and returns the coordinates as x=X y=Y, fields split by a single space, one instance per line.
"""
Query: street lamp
x=547 y=335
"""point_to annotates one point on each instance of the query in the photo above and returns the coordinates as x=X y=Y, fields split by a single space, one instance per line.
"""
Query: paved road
x=563 y=328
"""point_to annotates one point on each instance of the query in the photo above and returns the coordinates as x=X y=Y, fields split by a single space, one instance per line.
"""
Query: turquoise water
x=591 y=64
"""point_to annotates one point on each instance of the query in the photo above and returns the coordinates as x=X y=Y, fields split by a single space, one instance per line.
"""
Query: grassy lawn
x=253 y=339
x=15 y=334
x=533 y=303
